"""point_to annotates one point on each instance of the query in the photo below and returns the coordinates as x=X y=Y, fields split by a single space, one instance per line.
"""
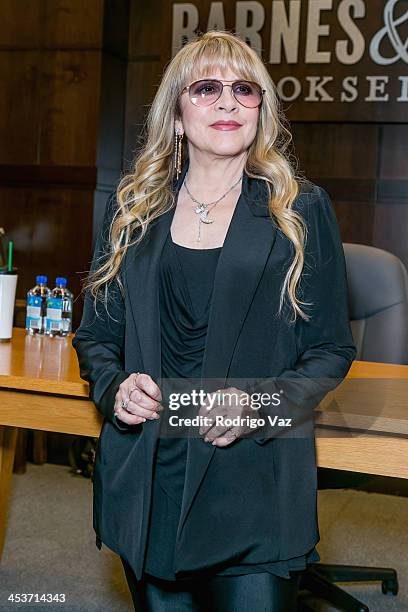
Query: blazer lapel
x=246 y=248
x=248 y=243
x=142 y=279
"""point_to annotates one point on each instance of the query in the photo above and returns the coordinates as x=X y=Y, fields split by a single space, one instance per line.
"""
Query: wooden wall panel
x=19 y=106
x=52 y=61
x=322 y=145
x=390 y=230
x=52 y=233
x=394 y=152
x=364 y=167
x=148 y=31
x=356 y=221
x=111 y=124
x=69 y=103
x=137 y=103
x=21 y=24
x=73 y=23
x=50 y=106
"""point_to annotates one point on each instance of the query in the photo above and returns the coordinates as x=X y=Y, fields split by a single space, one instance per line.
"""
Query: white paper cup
x=8 y=284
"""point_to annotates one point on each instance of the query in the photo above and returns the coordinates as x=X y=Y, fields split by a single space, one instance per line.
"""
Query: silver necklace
x=202 y=209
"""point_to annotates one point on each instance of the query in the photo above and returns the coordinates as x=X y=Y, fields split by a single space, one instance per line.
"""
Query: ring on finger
x=124 y=403
x=134 y=385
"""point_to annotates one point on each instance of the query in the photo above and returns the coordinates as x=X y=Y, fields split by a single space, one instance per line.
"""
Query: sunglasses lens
x=247 y=93
x=205 y=92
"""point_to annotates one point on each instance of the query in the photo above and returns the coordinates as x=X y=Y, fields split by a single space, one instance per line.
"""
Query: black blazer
x=256 y=500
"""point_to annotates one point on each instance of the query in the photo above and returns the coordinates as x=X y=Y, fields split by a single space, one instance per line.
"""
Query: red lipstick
x=226 y=125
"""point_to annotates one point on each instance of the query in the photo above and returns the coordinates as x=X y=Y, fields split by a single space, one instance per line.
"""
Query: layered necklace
x=202 y=208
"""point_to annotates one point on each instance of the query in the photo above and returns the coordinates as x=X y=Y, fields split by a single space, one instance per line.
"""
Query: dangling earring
x=178 y=147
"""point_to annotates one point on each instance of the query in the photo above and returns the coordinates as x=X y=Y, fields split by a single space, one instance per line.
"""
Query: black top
x=186 y=282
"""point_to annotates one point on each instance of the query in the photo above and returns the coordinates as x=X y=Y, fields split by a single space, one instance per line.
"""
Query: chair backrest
x=378 y=303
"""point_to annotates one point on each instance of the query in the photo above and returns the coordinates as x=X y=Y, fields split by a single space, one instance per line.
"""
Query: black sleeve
x=99 y=340
x=325 y=343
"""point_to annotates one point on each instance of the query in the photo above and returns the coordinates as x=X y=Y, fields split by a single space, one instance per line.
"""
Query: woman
x=209 y=249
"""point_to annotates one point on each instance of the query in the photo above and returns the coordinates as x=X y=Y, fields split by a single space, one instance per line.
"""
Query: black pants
x=263 y=592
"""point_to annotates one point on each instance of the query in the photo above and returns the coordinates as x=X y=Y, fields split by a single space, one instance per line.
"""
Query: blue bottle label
x=54 y=314
x=33 y=312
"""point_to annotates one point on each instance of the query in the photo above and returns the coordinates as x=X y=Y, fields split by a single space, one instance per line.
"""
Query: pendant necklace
x=202 y=209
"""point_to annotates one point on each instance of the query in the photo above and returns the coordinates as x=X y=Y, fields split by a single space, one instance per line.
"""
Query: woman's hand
x=138 y=398
x=236 y=404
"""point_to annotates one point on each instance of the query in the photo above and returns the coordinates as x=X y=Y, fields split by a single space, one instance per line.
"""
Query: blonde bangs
x=217 y=55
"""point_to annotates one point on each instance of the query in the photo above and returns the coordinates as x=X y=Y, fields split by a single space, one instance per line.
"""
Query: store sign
x=318 y=51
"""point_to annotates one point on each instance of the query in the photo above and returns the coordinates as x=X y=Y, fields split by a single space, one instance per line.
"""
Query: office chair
x=378 y=307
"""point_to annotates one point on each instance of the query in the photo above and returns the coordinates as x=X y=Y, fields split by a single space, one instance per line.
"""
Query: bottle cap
x=61 y=281
x=41 y=279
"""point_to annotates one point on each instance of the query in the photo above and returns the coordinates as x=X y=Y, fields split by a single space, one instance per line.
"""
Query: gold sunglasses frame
x=187 y=89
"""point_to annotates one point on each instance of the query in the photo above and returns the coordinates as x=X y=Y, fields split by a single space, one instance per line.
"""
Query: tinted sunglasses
x=207 y=91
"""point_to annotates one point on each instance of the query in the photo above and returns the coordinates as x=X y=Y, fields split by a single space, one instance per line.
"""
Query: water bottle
x=59 y=309
x=36 y=306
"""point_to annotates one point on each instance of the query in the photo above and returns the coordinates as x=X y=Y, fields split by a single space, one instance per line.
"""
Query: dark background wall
x=63 y=76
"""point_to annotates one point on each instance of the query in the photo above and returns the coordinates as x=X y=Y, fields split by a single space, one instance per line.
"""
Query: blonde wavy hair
x=146 y=192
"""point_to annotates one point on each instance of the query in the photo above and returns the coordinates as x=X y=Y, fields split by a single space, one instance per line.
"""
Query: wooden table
x=40 y=388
